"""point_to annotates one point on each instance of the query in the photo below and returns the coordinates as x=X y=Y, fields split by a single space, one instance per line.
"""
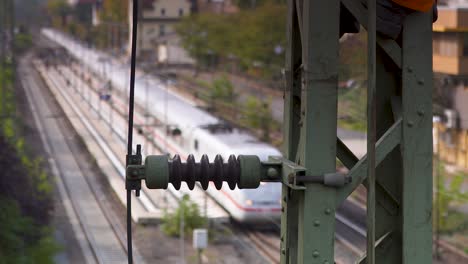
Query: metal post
x=182 y=234
x=165 y=119
x=371 y=129
x=437 y=193
x=146 y=114
x=417 y=138
x=199 y=253
x=2 y=59
x=111 y=105
x=310 y=132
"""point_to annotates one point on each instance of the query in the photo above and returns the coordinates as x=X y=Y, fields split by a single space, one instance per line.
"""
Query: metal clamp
x=133 y=177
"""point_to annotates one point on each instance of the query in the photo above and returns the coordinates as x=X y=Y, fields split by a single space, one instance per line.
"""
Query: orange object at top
x=418 y=5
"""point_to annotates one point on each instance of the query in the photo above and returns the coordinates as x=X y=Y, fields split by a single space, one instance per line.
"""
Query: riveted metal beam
x=417 y=139
x=359 y=10
x=358 y=173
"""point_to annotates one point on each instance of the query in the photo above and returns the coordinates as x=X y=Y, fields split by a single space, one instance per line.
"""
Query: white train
x=191 y=131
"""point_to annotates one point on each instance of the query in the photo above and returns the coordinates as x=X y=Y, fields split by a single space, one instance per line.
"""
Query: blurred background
x=225 y=58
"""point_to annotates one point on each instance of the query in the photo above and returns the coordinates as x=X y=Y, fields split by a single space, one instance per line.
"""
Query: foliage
x=248 y=37
x=257 y=115
x=189 y=212
x=450 y=195
x=353 y=57
x=222 y=89
x=58 y=10
x=25 y=192
x=352 y=108
x=23 y=41
x=114 y=11
x=21 y=239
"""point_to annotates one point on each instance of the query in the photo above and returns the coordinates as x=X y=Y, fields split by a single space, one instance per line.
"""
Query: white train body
x=201 y=133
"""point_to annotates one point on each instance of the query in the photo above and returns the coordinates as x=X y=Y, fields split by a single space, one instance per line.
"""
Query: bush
x=22 y=42
x=188 y=212
x=25 y=193
x=222 y=88
x=257 y=115
x=21 y=239
x=449 y=196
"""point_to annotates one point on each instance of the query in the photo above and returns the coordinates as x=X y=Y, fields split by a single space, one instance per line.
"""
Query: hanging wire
x=130 y=127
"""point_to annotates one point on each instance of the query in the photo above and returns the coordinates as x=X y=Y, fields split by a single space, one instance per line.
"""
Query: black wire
x=130 y=126
x=129 y=227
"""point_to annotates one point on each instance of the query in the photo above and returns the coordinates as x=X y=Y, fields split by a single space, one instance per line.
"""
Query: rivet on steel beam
x=410 y=123
x=326 y=262
x=283 y=251
x=316 y=254
x=316 y=223
x=272 y=173
x=421 y=112
x=285 y=200
x=327 y=211
x=409 y=69
x=282 y=238
x=421 y=81
x=282 y=209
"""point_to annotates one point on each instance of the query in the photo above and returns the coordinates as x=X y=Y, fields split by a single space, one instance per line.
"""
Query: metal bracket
x=289 y=172
x=133 y=173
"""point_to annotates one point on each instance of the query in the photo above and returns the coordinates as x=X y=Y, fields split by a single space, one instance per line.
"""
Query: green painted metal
x=251 y=171
x=391 y=48
x=386 y=144
x=156 y=172
x=390 y=126
x=312 y=100
x=417 y=139
x=399 y=150
x=371 y=128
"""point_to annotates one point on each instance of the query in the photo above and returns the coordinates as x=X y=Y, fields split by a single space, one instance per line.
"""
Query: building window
x=465 y=44
x=181 y=11
x=163 y=11
x=162 y=30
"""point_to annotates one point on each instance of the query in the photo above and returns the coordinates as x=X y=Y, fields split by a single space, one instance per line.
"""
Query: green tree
x=257 y=115
x=255 y=38
x=449 y=195
x=188 y=212
x=222 y=89
x=58 y=10
x=114 y=11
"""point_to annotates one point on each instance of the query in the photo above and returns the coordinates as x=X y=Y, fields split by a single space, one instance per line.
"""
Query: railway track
x=267 y=243
x=95 y=226
x=349 y=234
x=62 y=74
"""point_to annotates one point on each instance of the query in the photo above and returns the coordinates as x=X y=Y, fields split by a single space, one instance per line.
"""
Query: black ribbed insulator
x=204 y=172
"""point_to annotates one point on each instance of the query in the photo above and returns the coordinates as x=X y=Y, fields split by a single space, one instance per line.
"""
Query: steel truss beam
x=403 y=152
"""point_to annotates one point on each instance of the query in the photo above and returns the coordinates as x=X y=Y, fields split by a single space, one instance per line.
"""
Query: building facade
x=156 y=20
x=450 y=62
x=215 y=6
